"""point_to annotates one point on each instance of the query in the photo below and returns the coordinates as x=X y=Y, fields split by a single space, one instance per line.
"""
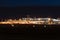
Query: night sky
x=14 y=3
x=38 y=8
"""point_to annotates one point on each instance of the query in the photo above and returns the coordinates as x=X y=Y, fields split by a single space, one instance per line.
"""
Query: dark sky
x=13 y=3
x=17 y=8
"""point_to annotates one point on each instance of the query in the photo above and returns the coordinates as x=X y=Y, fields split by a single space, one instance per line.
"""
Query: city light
x=40 y=21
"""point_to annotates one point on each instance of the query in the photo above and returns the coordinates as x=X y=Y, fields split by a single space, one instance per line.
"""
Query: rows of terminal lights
x=48 y=21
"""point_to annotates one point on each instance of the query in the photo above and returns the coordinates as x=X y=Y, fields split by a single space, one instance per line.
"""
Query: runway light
x=33 y=25
x=45 y=26
x=12 y=25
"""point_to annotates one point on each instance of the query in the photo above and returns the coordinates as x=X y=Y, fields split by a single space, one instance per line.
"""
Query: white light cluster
x=32 y=21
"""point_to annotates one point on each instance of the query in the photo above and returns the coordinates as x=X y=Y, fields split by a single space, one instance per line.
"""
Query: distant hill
x=33 y=11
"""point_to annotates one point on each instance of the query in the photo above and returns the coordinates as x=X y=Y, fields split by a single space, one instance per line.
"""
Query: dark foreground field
x=28 y=32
